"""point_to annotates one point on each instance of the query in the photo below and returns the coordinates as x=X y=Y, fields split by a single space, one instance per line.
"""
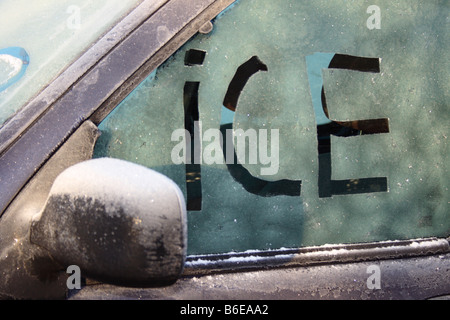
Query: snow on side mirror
x=119 y=222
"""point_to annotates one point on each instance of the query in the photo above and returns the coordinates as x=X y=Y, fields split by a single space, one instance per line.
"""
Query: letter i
x=191 y=122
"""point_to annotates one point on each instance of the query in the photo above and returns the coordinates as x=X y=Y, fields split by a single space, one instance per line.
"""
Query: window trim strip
x=197 y=265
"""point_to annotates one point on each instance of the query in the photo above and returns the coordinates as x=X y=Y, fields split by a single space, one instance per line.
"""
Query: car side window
x=295 y=124
x=33 y=51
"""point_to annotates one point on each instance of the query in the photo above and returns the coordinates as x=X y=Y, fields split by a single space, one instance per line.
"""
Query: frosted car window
x=38 y=39
x=337 y=117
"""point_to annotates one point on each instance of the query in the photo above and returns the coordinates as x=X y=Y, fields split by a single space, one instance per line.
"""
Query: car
x=221 y=149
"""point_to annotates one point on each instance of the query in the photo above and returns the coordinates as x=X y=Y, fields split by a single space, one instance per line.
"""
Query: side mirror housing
x=119 y=222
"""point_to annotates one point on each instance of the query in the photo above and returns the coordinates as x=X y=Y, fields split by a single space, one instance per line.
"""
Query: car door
x=304 y=137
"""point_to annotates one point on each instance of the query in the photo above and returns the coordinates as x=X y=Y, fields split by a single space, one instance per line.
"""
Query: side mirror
x=119 y=222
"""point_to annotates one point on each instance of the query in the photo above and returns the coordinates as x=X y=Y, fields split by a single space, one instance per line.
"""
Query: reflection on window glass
x=51 y=33
x=14 y=62
x=299 y=123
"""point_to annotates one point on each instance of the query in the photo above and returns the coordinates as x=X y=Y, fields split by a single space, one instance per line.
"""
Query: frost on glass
x=296 y=40
x=52 y=33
